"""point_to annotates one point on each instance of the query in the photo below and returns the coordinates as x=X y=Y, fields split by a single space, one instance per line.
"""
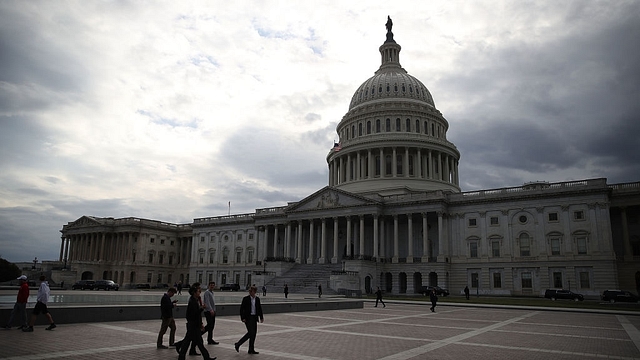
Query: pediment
x=331 y=198
x=84 y=221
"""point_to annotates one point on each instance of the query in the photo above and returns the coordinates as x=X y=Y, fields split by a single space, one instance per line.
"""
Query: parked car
x=83 y=285
x=106 y=285
x=619 y=296
x=426 y=290
x=230 y=287
x=554 y=294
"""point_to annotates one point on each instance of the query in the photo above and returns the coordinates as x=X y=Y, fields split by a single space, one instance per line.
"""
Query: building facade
x=392 y=216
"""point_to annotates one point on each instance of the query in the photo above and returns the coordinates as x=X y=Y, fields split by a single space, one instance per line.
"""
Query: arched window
x=368 y=127
x=398 y=125
x=388 y=125
x=426 y=128
x=359 y=129
x=418 y=126
x=378 y=125
x=525 y=244
x=408 y=125
x=353 y=131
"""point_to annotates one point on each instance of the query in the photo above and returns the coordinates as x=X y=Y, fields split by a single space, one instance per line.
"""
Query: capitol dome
x=393 y=139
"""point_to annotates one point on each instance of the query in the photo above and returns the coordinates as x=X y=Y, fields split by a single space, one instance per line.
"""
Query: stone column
x=394 y=163
x=299 y=238
x=311 y=243
x=66 y=249
x=425 y=239
x=419 y=161
x=334 y=259
x=358 y=167
x=395 y=239
x=382 y=163
x=369 y=165
x=348 y=236
x=361 y=220
x=323 y=242
x=410 y=238
x=405 y=161
x=61 y=248
x=382 y=239
x=349 y=175
x=375 y=237
x=440 y=239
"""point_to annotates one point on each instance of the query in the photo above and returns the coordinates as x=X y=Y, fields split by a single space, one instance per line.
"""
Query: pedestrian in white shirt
x=41 y=306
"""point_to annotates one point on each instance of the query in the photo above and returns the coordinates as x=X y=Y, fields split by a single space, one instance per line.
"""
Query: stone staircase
x=304 y=279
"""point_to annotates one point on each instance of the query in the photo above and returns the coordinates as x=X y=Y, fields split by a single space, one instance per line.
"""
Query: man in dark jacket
x=194 y=325
x=250 y=312
x=379 y=297
x=166 y=313
x=434 y=299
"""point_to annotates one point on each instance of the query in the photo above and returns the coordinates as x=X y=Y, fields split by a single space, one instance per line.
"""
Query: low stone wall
x=106 y=313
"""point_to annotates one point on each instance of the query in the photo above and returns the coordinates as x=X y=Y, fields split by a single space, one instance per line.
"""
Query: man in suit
x=194 y=326
x=250 y=312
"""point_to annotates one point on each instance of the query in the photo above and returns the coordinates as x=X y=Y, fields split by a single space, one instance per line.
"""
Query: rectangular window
x=238 y=257
x=161 y=241
x=582 y=245
x=170 y=261
x=152 y=240
x=159 y=279
x=557 y=280
x=201 y=258
x=172 y=242
x=525 y=246
x=473 y=249
x=495 y=248
x=150 y=258
x=553 y=217
x=472 y=222
x=578 y=215
x=201 y=238
x=160 y=259
x=149 y=277
x=527 y=282
x=408 y=126
x=398 y=164
x=239 y=236
x=212 y=256
x=494 y=221
x=388 y=164
x=584 y=280
x=250 y=256
x=378 y=125
x=251 y=236
x=410 y=165
x=474 y=280
x=497 y=280
x=555 y=246
x=377 y=165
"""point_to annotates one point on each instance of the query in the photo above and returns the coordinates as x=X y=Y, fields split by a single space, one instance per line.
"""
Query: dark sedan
x=426 y=290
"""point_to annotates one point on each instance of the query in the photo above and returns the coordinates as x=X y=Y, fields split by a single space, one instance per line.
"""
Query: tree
x=8 y=270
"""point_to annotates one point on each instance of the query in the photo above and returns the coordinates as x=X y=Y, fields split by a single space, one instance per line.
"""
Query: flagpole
x=229 y=209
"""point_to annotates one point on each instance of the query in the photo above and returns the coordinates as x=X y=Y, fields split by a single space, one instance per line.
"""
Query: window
x=159 y=279
x=250 y=256
x=522 y=219
x=353 y=131
x=360 y=129
x=387 y=164
x=495 y=248
x=388 y=125
x=149 y=277
x=251 y=236
x=212 y=257
x=398 y=125
x=494 y=221
x=474 y=280
x=553 y=217
x=225 y=256
x=527 y=282
x=578 y=215
x=408 y=125
x=378 y=125
x=368 y=127
x=238 y=257
x=584 y=280
x=170 y=261
x=433 y=130
x=151 y=258
x=160 y=258
x=411 y=165
x=239 y=236
x=473 y=249
x=582 y=244
x=399 y=164
x=201 y=258
x=162 y=242
x=418 y=126
x=152 y=240
x=172 y=242
x=201 y=238
x=497 y=280
x=472 y=222
x=557 y=280
x=525 y=245
x=378 y=165
x=555 y=246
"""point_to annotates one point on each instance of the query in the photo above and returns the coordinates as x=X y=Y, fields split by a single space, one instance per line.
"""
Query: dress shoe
x=213 y=342
x=177 y=345
x=162 y=347
x=237 y=347
x=254 y=352
x=194 y=353
x=51 y=327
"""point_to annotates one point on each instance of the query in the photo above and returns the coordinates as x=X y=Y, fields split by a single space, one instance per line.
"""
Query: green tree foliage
x=8 y=270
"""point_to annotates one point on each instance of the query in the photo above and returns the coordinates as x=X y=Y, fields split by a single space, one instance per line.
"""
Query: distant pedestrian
x=41 y=306
x=320 y=290
x=166 y=314
x=20 y=307
x=434 y=299
x=466 y=292
x=264 y=290
x=379 y=297
x=250 y=313
x=286 y=291
x=210 y=313
x=179 y=288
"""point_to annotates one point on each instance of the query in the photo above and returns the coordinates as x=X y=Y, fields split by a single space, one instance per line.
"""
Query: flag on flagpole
x=337 y=146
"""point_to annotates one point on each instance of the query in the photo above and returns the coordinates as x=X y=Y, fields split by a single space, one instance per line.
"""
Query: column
x=311 y=244
x=323 y=242
x=369 y=165
x=340 y=171
x=375 y=237
x=382 y=239
x=425 y=238
x=61 y=247
x=440 y=240
x=66 y=250
x=358 y=167
x=419 y=161
x=394 y=163
x=405 y=161
x=299 y=240
x=348 y=236
x=410 y=240
x=361 y=219
x=395 y=239
x=287 y=240
x=349 y=168
x=382 y=163
x=334 y=259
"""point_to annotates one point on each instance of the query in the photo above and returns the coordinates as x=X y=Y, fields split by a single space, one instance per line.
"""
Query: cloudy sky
x=171 y=110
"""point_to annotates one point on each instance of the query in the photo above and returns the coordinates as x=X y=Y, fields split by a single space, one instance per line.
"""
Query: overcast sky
x=171 y=110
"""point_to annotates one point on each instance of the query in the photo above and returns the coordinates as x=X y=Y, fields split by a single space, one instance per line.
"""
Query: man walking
x=194 y=326
x=20 y=307
x=250 y=312
x=41 y=306
x=166 y=313
x=210 y=313
x=434 y=299
x=379 y=297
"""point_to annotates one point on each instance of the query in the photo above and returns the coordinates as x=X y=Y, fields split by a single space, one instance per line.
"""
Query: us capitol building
x=392 y=215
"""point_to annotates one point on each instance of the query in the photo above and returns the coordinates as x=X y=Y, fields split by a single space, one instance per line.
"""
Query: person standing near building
x=166 y=313
x=466 y=292
x=379 y=297
x=194 y=326
x=250 y=312
x=20 y=307
x=41 y=306
x=434 y=299
x=320 y=290
x=264 y=290
x=286 y=291
x=210 y=313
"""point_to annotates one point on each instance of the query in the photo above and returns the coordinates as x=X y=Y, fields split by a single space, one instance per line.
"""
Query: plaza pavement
x=399 y=331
